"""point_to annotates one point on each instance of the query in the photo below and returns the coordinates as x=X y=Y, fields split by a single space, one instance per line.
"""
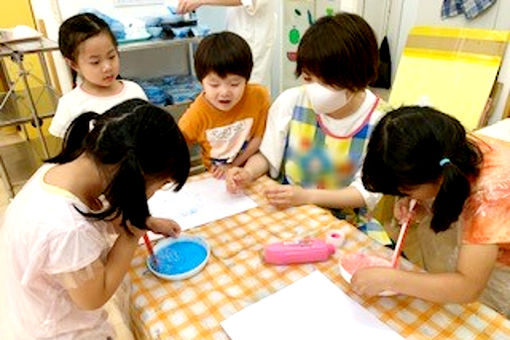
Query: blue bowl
x=179 y=258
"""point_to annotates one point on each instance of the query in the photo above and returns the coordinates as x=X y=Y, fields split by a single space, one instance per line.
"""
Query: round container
x=179 y=258
x=335 y=237
x=350 y=263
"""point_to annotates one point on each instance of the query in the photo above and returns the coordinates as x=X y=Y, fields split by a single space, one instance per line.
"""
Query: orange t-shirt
x=485 y=217
x=222 y=135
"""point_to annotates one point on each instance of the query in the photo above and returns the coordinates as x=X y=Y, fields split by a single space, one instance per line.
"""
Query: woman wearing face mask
x=316 y=134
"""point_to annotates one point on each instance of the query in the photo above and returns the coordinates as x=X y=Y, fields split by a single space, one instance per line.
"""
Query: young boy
x=228 y=118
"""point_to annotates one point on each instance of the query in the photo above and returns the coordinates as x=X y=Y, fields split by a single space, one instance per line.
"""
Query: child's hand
x=237 y=179
x=163 y=226
x=402 y=213
x=283 y=196
x=372 y=281
x=219 y=171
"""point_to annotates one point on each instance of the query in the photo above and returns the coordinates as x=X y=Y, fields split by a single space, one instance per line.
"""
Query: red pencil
x=151 y=251
x=402 y=235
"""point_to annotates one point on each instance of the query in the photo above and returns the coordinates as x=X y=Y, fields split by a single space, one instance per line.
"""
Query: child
x=464 y=181
x=227 y=119
x=90 y=49
x=62 y=263
x=316 y=134
x=255 y=21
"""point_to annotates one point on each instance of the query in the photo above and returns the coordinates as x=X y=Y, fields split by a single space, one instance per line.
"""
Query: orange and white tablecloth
x=236 y=277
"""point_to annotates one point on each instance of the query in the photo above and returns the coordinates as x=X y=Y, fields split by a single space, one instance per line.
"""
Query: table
x=236 y=277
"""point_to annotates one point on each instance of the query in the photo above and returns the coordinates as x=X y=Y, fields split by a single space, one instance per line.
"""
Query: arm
x=107 y=277
x=474 y=267
x=251 y=149
x=186 y=6
x=238 y=178
x=291 y=195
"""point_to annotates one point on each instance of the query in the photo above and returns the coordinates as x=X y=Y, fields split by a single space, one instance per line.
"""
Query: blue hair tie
x=444 y=161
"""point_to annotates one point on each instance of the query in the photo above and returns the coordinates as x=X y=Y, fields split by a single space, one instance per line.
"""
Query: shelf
x=17 y=107
x=157 y=42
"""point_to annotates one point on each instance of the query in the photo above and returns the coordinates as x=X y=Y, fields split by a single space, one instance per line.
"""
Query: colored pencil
x=151 y=251
x=401 y=235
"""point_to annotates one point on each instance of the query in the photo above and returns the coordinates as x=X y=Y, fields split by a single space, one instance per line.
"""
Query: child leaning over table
x=228 y=118
x=462 y=184
x=65 y=249
x=316 y=134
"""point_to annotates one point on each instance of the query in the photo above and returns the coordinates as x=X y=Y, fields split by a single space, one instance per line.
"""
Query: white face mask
x=325 y=100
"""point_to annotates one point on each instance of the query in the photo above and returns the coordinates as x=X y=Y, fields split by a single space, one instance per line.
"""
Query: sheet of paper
x=197 y=203
x=310 y=308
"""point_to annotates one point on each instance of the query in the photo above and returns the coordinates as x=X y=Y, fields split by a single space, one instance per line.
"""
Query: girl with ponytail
x=73 y=228
x=463 y=181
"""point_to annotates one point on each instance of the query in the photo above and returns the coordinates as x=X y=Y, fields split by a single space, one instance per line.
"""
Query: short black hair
x=340 y=50
x=406 y=149
x=223 y=53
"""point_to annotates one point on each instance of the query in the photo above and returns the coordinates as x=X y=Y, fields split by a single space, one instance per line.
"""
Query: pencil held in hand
x=401 y=236
x=151 y=250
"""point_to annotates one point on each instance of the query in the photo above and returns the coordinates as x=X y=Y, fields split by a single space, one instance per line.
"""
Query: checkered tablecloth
x=236 y=277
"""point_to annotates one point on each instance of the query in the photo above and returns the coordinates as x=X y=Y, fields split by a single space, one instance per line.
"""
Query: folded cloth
x=470 y=8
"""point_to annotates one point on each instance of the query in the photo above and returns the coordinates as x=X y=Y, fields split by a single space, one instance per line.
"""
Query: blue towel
x=470 y=8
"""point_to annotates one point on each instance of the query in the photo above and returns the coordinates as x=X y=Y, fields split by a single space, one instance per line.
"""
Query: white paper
x=310 y=308
x=197 y=203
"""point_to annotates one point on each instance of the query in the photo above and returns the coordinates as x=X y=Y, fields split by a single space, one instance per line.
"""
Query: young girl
x=90 y=49
x=67 y=248
x=464 y=181
x=316 y=134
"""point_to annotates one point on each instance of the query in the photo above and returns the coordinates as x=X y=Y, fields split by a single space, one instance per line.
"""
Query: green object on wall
x=294 y=36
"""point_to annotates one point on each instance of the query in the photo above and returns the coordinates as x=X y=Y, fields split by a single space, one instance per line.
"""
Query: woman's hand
x=372 y=281
x=163 y=226
x=237 y=179
x=283 y=196
x=186 y=6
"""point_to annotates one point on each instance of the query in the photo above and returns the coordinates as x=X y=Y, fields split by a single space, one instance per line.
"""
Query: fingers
x=218 y=172
x=279 y=195
x=236 y=179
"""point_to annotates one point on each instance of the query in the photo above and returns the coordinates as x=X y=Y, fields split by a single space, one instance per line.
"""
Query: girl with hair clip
x=72 y=230
x=90 y=50
x=316 y=134
x=463 y=182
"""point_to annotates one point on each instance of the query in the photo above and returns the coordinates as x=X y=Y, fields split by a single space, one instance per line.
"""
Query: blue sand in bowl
x=179 y=257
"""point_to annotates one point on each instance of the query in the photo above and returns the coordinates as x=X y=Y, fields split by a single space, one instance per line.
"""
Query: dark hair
x=340 y=50
x=142 y=140
x=78 y=28
x=405 y=150
x=223 y=53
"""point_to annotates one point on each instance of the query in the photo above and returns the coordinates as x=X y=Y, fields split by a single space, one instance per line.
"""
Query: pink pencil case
x=302 y=251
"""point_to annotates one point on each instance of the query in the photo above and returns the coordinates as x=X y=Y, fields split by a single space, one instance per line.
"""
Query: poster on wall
x=298 y=15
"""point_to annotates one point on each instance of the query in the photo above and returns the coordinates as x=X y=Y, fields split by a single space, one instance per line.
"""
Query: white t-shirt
x=255 y=21
x=77 y=101
x=44 y=237
x=277 y=129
